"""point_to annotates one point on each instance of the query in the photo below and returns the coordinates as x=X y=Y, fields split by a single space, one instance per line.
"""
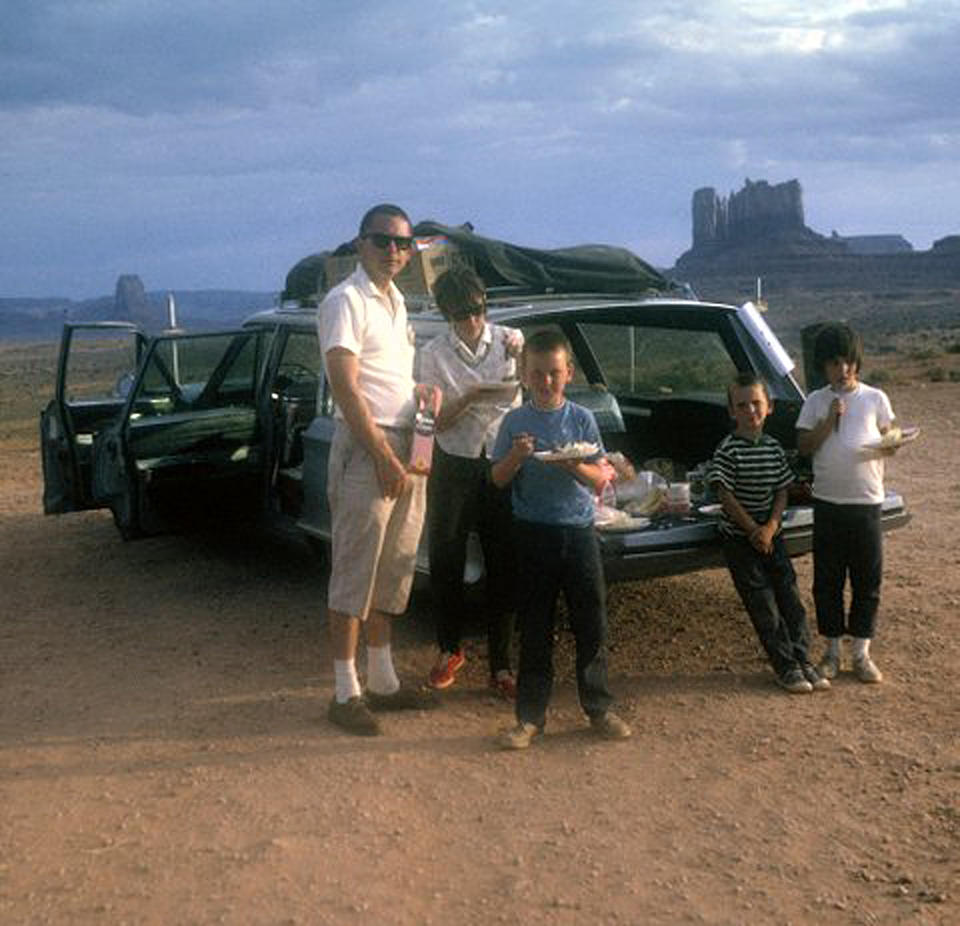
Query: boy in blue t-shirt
x=556 y=544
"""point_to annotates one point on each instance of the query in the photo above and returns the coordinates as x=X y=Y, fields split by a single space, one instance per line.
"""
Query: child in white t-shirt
x=834 y=427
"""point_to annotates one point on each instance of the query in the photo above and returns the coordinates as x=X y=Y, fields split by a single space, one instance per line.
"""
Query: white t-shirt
x=449 y=363
x=843 y=471
x=372 y=325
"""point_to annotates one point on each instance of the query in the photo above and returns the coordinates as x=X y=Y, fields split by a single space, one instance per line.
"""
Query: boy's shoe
x=794 y=682
x=353 y=716
x=504 y=684
x=814 y=677
x=610 y=726
x=866 y=670
x=829 y=665
x=444 y=672
x=405 y=698
x=518 y=737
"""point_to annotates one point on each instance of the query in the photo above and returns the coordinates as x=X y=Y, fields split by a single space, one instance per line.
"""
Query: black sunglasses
x=463 y=312
x=382 y=241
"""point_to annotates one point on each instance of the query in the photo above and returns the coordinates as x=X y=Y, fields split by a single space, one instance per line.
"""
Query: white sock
x=861 y=647
x=833 y=647
x=381 y=675
x=347 y=685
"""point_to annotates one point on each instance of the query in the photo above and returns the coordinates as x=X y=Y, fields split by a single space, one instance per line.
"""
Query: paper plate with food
x=574 y=450
x=893 y=438
x=615 y=519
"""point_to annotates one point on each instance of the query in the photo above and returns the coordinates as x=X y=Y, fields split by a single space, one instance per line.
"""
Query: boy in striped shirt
x=750 y=474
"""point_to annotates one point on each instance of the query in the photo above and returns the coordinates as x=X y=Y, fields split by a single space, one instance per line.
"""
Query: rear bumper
x=678 y=546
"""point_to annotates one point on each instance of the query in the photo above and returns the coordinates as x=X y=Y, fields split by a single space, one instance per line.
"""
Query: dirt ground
x=164 y=756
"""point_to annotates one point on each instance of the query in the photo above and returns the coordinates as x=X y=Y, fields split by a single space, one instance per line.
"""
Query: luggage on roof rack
x=584 y=268
x=596 y=268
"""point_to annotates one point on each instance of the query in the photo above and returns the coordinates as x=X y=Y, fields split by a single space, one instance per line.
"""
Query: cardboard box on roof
x=431 y=257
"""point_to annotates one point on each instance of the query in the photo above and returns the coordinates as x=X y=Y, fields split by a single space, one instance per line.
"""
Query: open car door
x=98 y=363
x=188 y=445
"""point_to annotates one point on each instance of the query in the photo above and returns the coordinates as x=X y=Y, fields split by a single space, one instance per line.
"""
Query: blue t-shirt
x=544 y=492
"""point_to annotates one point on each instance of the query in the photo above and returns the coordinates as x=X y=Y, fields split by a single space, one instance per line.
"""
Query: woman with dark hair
x=474 y=364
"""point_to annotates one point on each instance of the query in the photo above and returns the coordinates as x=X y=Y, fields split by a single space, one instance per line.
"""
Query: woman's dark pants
x=461 y=497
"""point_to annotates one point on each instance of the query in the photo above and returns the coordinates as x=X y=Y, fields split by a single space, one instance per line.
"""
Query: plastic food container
x=678 y=498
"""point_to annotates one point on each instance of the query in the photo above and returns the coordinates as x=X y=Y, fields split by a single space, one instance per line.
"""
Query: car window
x=300 y=371
x=531 y=328
x=100 y=365
x=199 y=372
x=648 y=362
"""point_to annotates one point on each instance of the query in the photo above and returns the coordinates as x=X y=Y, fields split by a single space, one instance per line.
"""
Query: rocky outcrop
x=759 y=232
x=759 y=223
x=758 y=210
x=130 y=302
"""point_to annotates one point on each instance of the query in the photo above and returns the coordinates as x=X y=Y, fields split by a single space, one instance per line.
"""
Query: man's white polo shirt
x=372 y=325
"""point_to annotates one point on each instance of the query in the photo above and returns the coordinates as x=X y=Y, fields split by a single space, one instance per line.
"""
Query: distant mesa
x=759 y=219
x=760 y=230
x=758 y=211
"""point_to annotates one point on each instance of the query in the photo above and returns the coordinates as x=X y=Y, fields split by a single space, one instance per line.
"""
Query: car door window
x=298 y=389
x=199 y=372
x=99 y=366
x=299 y=373
x=650 y=362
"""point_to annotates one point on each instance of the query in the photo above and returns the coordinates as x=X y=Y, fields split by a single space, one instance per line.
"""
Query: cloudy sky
x=212 y=143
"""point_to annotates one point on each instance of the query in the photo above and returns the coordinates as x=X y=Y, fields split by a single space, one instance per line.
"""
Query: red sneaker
x=504 y=684
x=444 y=672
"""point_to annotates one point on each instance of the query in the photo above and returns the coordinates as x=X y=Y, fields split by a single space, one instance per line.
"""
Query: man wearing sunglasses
x=376 y=508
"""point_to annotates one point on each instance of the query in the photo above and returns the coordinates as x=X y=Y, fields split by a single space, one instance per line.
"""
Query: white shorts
x=375 y=539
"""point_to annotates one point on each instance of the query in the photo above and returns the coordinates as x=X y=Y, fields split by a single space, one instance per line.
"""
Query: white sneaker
x=829 y=665
x=518 y=737
x=866 y=670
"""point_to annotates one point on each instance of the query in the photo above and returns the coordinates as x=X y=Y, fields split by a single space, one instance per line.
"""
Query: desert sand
x=164 y=754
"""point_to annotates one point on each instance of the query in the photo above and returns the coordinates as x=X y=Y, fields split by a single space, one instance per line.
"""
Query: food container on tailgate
x=678 y=498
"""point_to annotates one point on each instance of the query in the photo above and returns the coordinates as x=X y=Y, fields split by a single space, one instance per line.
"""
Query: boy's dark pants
x=847 y=539
x=767 y=586
x=553 y=558
x=460 y=497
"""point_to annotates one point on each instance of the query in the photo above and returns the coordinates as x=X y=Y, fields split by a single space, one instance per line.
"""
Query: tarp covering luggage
x=584 y=268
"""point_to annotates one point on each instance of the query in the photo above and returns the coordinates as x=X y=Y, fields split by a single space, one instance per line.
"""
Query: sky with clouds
x=210 y=144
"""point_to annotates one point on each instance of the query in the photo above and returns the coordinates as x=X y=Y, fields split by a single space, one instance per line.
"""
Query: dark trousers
x=847 y=541
x=767 y=585
x=554 y=559
x=461 y=497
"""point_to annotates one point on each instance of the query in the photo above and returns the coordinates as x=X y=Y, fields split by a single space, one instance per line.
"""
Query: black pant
x=847 y=540
x=554 y=559
x=767 y=585
x=461 y=497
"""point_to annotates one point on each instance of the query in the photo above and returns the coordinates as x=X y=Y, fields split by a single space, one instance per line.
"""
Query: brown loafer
x=405 y=698
x=353 y=716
